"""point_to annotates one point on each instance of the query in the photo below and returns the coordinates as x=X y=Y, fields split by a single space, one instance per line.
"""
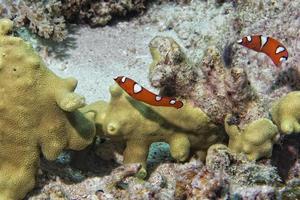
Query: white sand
x=104 y=53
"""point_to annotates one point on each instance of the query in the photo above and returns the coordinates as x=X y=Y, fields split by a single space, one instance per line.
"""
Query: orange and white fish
x=274 y=49
x=141 y=94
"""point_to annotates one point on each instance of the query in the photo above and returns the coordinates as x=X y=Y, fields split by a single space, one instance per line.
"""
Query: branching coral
x=139 y=125
x=38 y=114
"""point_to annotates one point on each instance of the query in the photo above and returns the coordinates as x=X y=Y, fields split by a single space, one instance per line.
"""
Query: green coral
x=255 y=139
x=285 y=113
x=139 y=125
x=36 y=115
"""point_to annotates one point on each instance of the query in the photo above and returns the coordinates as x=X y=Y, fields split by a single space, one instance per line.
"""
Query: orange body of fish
x=270 y=46
x=141 y=94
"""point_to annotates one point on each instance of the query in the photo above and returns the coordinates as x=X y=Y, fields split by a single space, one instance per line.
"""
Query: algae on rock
x=210 y=86
x=49 y=19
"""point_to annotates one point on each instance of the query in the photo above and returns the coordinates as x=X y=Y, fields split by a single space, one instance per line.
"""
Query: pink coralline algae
x=211 y=86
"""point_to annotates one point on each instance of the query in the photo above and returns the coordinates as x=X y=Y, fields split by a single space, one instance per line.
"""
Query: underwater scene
x=149 y=99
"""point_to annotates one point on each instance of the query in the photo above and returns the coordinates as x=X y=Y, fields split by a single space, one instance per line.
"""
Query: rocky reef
x=225 y=175
x=236 y=136
x=226 y=78
x=212 y=87
x=49 y=19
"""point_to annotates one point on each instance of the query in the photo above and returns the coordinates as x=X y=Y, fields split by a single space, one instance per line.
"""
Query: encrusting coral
x=285 y=113
x=139 y=125
x=255 y=140
x=211 y=86
x=38 y=115
x=168 y=60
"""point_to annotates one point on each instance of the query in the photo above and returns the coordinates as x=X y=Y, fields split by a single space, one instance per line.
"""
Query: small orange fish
x=141 y=94
x=274 y=49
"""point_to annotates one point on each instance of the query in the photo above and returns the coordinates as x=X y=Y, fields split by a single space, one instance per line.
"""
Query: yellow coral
x=140 y=125
x=6 y=26
x=98 y=108
x=35 y=116
x=255 y=140
x=286 y=113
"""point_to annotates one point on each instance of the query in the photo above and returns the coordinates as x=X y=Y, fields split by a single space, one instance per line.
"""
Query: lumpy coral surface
x=36 y=116
x=139 y=125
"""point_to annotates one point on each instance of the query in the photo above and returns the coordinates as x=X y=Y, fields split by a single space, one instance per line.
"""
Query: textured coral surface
x=255 y=140
x=139 y=125
x=285 y=113
x=35 y=115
